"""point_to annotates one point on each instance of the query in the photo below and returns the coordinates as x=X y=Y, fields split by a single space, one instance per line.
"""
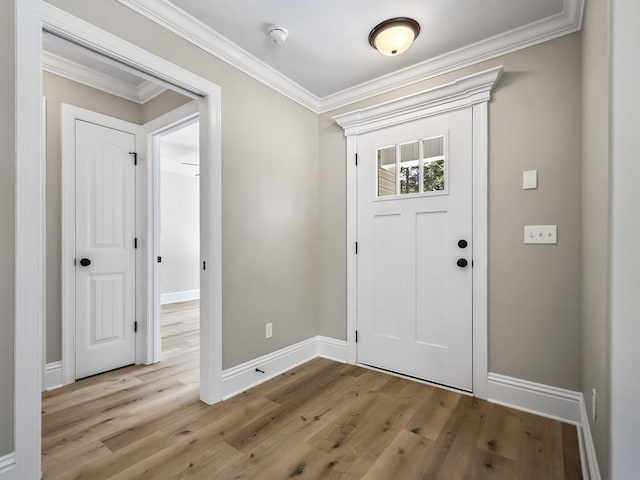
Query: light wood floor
x=323 y=420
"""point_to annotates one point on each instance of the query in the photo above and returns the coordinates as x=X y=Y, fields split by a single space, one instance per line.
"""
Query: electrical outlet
x=594 y=404
x=269 y=330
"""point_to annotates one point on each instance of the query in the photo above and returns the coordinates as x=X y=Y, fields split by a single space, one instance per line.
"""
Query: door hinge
x=135 y=242
x=135 y=157
x=204 y=265
x=135 y=326
x=159 y=259
x=356 y=336
x=356 y=159
x=356 y=248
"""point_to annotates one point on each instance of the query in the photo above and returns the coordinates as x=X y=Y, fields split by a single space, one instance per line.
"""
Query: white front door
x=415 y=250
x=105 y=254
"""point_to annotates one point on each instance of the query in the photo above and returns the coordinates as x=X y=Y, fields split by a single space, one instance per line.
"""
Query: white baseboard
x=175 y=297
x=52 y=376
x=587 y=448
x=332 y=348
x=237 y=379
x=536 y=398
x=8 y=467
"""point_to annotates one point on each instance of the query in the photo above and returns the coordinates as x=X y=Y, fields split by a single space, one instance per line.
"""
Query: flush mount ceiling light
x=394 y=36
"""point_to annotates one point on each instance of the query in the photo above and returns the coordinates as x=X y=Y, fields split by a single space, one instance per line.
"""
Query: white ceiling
x=179 y=152
x=327 y=50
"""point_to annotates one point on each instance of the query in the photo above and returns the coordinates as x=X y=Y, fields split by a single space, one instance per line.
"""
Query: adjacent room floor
x=322 y=420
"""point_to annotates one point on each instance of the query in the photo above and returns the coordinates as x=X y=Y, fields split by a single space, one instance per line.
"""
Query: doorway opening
x=177 y=154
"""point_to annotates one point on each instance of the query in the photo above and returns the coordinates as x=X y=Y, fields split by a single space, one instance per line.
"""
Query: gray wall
x=163 y=103
x=57 y=91
x=534 y=291
x=625 y=230
x=179 y=232
x=269 y=215
x=7 y=232
x=595 y=221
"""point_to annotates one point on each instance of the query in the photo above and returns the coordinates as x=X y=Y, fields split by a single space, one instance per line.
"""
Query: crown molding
x=181 y=23
x=463 y=92
x=148 y=90
x=71 y=70
x=193 y=30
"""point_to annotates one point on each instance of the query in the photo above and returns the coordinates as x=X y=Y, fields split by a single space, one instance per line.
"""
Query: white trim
x=31 y=17
x=149 y=90
x=70 y=114
x=332 y=348
x=151 y=172
x=480 y=248
x=473 y=91
x=460 y=93
x=590 y=468
x=175 y=297
x=237 y=379
x=191 y=29
x=29 y=243
x=76 y=72
x=53 y=376
x=179 y=22
x=8 y=467
x=544 y=400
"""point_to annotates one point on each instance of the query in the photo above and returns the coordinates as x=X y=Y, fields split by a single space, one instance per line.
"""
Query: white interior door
x=414 y=227
x=105 y=254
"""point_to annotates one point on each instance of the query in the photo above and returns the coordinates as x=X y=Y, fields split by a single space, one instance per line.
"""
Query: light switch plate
x=269 y=330
x=537 y=234
x=530 y=180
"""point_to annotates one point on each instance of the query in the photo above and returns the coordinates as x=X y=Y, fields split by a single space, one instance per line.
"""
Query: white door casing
x=471 y=91
x=105 y=231
x=31 y=17
x=414 y=301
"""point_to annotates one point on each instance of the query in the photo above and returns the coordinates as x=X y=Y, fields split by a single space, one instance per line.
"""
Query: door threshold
x=416 y=379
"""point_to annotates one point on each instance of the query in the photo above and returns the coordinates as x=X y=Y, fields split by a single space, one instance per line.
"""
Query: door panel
x=105 y=231
x=414 y=204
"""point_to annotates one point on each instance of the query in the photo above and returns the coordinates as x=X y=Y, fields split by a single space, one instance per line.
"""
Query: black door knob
x=462 y=262
x=462 y=244
x=85 y=262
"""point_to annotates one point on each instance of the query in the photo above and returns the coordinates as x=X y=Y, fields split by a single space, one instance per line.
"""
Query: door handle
x=462 y=243
x=462 y=262
x=85 y=262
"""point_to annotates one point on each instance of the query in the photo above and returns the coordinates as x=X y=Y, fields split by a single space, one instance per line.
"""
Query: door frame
x=152 y=131
x=31 y=17
x=70 y=114
x=474 y=92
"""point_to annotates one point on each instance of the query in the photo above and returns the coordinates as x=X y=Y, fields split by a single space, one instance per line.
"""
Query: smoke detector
x=277 y=35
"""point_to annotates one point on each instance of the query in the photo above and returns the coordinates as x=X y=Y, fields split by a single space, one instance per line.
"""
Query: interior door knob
x=462 y=262
x=85 y=262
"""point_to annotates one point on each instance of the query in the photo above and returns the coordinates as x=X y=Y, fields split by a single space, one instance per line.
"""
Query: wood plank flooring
x=322 y=420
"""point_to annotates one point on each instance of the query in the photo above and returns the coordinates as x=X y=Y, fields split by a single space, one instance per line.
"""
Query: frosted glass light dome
x=394 y=36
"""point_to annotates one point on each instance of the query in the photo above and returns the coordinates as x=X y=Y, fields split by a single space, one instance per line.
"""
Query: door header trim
x=462 y=92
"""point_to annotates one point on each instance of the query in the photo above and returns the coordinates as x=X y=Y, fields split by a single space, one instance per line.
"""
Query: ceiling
x=179 y=152
x=328 y=51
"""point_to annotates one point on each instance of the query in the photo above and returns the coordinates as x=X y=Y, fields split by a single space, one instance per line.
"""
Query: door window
x=416 y=167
